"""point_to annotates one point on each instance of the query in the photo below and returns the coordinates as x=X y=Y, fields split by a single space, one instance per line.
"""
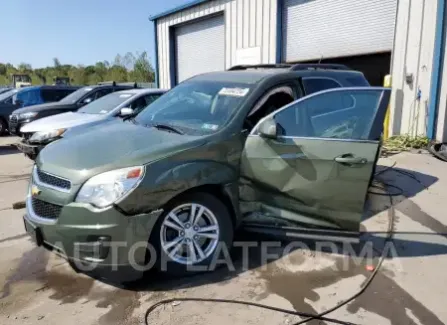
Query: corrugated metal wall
x=412 y=56
x=329 y=28
x=242 y=30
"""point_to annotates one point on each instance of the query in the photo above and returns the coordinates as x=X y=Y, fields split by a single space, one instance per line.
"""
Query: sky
x=77 y=31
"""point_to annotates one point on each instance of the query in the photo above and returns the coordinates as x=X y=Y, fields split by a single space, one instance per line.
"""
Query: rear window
x=313 y=85
x=358 y=81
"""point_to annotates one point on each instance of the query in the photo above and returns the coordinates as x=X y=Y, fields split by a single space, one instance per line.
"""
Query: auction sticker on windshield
x=125 y=95
x=212 y=127
x=235 y=92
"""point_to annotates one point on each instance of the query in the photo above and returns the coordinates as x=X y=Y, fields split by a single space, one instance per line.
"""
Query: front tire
x=3 y=127
x=190 y=233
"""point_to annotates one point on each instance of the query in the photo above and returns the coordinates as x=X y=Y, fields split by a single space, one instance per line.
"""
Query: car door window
x=138 y=104
x=95 y=95
x=274 y=99
x=315 y=84
x=52 y=95
x=341 y=114
x=102 y=92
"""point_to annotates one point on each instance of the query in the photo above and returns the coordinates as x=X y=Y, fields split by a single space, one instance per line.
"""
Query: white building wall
x=412 y=54
x=441 y=129
x=250 y=25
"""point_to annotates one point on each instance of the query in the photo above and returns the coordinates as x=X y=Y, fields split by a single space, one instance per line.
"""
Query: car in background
x=3 y=90
x=266 y=147
x=73 y=102
x=19 y=98
x=36 y=135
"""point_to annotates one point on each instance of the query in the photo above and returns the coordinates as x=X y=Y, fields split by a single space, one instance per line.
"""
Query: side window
x=267 y=104
x=151 y=98
x=313 y=85
x=51 y=95
x=8 y=101
x=344 y=114
x=102 y=92
x=94 y=95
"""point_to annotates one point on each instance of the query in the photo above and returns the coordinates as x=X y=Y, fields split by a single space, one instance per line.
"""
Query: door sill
x=343 y=236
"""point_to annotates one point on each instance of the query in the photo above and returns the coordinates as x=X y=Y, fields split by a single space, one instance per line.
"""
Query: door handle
x=351 y=160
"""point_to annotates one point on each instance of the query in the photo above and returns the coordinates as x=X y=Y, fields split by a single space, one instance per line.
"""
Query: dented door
x=316 y=171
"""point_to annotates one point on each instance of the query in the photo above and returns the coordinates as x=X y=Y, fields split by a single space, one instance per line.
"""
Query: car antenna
x=321 y=59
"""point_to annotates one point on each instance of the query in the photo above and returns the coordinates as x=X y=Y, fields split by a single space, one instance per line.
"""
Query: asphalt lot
x=38 y=287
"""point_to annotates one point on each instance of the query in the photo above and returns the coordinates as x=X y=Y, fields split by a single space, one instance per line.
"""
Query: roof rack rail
x=114 y=83
x=317 y=66
x=107 y=83
x=260 y=66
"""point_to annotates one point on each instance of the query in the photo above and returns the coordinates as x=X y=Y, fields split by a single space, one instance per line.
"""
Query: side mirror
x=126 y=111
x=19 y=103
x=268 y=129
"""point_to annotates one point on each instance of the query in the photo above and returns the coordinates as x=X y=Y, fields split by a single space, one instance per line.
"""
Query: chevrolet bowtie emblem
x=35 y=191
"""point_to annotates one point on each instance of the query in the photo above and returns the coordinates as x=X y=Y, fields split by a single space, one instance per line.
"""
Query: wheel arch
x=224 y=192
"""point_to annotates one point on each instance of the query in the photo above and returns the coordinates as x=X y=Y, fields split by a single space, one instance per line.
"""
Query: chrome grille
x=45 y=210
x=48 y=179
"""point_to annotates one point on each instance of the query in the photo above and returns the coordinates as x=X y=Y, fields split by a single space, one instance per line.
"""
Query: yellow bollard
x=386 y=123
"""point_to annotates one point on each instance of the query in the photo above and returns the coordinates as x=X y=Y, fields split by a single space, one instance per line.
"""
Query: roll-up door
x=335 y=28
x=200 y=47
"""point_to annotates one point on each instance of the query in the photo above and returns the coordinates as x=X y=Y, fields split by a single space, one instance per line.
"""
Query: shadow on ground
x=8 y=150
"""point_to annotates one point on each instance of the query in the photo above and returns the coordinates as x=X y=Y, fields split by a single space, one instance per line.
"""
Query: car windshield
x=106 y=104
x=196 y=106
x=8 y=94
x=75 y=96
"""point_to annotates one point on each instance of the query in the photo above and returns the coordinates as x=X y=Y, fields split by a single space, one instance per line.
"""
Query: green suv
x=287 y=150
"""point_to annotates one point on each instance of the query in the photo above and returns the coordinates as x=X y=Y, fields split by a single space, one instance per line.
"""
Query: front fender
x=160 y=185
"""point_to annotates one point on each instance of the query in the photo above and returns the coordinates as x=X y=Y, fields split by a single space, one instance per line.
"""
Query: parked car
x=3 y=90
x=276 y=149
x=70 y=103
x=36 y=135
x=23 y=97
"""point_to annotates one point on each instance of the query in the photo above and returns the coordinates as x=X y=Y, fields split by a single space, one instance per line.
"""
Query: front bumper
x=29 y=149
x=105 y=242
x=14 y=125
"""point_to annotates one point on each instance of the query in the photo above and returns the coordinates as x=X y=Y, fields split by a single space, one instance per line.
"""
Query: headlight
x=105 y=189
x=46 y=135
x=27 y=115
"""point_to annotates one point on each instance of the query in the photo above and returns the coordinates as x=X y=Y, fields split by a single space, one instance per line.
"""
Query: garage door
x=200 y=47
x=334 y=28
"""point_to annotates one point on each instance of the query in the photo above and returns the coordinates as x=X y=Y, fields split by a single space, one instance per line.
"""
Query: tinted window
x=102 y=92
x=28 y=97
x=358 y=81
x=106 y=104
x=313 y=85
x=347 y=114
x=77 y=95
x=196 y=106
x=54 y=95
x=142 y=102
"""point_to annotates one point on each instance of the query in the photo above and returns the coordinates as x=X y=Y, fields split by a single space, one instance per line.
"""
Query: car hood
x=61 y=121
x=114 y=145
x=43 y=107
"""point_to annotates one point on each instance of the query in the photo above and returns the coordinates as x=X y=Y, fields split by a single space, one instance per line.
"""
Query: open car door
x=306 y=168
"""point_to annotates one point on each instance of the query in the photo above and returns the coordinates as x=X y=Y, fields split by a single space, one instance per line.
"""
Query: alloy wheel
x=189 y=233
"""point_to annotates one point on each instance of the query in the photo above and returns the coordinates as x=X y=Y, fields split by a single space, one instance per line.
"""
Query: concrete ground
x=38 y=287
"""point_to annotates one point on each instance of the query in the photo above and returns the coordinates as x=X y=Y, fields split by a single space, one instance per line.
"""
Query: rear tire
x=189 y=245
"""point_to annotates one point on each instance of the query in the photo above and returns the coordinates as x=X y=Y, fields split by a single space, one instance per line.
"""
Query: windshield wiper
x=167 y=127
